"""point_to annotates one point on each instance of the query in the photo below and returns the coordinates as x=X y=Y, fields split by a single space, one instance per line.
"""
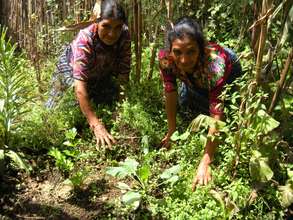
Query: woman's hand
x=203 y=175
x=165 y=142
x=102 y=135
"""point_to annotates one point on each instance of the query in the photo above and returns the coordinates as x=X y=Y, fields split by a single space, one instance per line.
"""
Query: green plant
x=142 y=188
x=15 y=94
x=65 y=157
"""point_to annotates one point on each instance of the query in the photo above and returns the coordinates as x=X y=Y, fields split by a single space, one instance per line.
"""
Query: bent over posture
x=99 y=53
x=203 y=69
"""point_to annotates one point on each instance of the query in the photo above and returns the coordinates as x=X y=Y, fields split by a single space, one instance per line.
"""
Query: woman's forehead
x=112 y=22
x=184 y=43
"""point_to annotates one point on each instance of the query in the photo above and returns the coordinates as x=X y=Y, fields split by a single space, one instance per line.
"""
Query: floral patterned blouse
x=91 y=59
x=212 y=77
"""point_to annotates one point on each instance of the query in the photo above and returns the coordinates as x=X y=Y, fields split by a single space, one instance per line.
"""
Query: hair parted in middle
x=188 y=27
x=111 y=9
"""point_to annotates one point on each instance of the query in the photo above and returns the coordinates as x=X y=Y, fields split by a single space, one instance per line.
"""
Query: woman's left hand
x=203 y=175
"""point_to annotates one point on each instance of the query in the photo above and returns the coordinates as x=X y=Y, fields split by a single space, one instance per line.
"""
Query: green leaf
x=184 y=136
x=131 y=198
x=290 y=174
x=54 y=152
x=144 y=173
x=68 y=143
x=145 y=141
x=2 y=155
x=259 y=168
x=175 y=136
x=78 y=178
x=169 y=173
x=123 y=186
x=2 y=101
x=119 y=172
x=206 y=121
x=130 y=165
x=173 y=179
x=71 y=134
x=286 y=195
x=21 y=164
x=267 y=123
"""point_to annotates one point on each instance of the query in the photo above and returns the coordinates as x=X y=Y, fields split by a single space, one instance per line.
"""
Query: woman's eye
x=106 y=26
x=190 y=52
x=177 y=52
x=118 y=27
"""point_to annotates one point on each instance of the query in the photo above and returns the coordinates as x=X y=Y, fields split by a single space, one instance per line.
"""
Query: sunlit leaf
x=68 y=143
x=205 y=121
x=1 y=161
x=119 y=172
x=2 y=101
x=170 y=172
x=175 y=136
x=259 y=168
x=2 y=155
x=19 y=163
x=286 y=195
x=130 y=165
x=131 y=198
x=267 y=123
x=123 y=186
x=144 y=172
x=185 y=135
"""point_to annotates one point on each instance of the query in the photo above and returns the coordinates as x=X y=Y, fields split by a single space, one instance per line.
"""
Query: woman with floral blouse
x=100 y=53
x=203 y=69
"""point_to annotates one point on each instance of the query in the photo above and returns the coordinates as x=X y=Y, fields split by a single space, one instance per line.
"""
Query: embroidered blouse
x=91 y=59
x=212 y=78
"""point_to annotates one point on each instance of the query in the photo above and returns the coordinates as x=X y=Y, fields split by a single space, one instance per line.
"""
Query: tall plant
x=14 y=95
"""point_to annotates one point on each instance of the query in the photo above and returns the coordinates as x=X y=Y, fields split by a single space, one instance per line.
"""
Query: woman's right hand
x=102 y=135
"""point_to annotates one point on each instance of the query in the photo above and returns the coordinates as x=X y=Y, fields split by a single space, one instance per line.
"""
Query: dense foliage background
x=252 y=171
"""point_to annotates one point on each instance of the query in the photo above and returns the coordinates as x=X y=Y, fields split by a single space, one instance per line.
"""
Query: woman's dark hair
x=113 y=10
x=188 y=27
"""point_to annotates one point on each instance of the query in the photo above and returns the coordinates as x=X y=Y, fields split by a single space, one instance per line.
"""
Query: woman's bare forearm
x=84 y=103
x=171 y=105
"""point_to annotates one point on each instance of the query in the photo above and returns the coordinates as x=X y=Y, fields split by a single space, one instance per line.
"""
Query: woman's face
x=185 y=54
x=109 y=30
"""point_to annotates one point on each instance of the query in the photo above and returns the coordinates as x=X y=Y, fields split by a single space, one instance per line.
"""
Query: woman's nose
x=184 y=59
x=110 y=33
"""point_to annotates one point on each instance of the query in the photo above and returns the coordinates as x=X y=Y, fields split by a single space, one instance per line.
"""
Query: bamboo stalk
x=266 y=6
x=139 y=40
x=153 y=53
x=281 y=82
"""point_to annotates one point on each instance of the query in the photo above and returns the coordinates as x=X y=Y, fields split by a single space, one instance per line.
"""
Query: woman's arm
x=84 y=103
x=170 y=106
x=203 y=175
x=102 y=136
x=211 y=146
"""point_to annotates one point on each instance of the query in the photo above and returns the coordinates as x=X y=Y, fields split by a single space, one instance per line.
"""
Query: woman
x=204 y=69
x=99 y=52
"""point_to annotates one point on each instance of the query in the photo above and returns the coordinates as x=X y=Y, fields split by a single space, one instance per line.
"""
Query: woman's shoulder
x=91 y=31
x=215 y=52
x=212 y=46
x=86 y=35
